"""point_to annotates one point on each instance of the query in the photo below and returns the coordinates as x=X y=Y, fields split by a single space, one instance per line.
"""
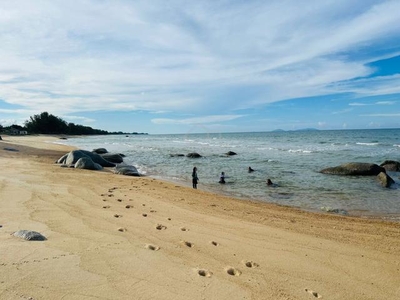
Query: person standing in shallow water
x=195 y=179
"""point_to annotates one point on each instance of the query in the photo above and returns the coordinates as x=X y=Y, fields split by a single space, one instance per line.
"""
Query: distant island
x=303 y=129
x=46 y=123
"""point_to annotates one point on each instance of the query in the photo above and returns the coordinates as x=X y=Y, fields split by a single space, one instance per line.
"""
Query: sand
x=119 y=237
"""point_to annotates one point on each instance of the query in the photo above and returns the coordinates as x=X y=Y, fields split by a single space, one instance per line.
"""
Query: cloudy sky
x=202 y=66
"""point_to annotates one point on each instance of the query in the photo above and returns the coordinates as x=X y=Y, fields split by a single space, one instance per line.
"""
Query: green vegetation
x=46 y=123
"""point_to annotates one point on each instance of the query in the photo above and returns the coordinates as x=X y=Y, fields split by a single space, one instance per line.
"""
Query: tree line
x=46 y=123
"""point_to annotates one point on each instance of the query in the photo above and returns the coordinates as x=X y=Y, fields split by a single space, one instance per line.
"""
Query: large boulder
x=87 y=163
x=355 y=168
x=128 y=170
x=75 y=155
x=391 y=165
x=100 y=150
x=113 y=157
x=385 y=180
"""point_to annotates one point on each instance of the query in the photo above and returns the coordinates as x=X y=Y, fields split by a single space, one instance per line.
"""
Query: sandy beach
x=119 y=237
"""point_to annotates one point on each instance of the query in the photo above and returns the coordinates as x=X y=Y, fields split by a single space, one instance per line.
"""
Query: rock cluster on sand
x=83 y=159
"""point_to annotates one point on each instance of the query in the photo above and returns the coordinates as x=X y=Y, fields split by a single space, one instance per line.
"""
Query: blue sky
x=202 y=66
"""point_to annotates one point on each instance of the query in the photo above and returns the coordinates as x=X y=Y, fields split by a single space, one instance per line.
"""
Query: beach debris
x=385 y=180
x=29 y=235
x=231 y=153
x=354 y=168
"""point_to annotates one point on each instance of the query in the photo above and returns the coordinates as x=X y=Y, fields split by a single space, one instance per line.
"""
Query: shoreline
x=112 y=236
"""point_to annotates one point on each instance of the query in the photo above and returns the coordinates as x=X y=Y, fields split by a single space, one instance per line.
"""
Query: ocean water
x=292 y=160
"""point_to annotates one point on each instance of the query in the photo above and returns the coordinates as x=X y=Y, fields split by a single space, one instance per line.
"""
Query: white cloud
x=185 y=57
x=197 y=120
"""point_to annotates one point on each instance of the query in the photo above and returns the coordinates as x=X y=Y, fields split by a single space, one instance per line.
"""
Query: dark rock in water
x=193 y=155
x=87 y=163
x=1 y=138
x=112 y=157
x=63 y=138
x=126 y=170
x=230 y=153
x=355 y=168
x=385 y=180
x=176 y=155
x=391 y=165
x=100 y=150
x=29 y=235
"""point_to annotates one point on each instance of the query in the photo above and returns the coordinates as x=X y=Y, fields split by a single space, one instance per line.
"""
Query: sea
x=291 y=159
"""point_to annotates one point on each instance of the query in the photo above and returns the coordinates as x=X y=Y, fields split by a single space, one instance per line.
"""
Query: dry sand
x=119 y=237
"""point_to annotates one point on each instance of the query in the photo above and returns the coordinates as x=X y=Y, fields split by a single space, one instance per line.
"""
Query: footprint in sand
x=184 y=229
x=161 y=227
x=204 y=273
x=144 y=215
x=106 y=206
x=119 y=200
x=152 y=247
x=233 y=271
x=315 y=294
x=121 y=229
x=214 y=243
x=128 y=206
x=250 y=264
x=187 y=244
x=117 y=216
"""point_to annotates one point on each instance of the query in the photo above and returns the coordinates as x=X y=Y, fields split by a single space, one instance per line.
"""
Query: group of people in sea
x=195 y=178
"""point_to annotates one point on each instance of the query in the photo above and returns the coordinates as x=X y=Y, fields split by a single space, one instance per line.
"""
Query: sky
x=186 y=66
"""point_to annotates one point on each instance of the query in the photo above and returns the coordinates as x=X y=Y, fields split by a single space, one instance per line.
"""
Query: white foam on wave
x=368 y=144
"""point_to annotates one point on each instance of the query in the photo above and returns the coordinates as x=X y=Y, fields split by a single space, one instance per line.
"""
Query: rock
x=391 y=165
x=355 y=168
x=176 y=155
x=29 y=235
x=87 y=163
x=1 y=138
x=385 y=180
x=112 y=157
x=62 y=159
x=230 y=153
x=100 y=150
x=126 y=170
x=74 y=155
x=193 y=155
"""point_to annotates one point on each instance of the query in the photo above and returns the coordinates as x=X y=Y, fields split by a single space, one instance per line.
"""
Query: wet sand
x=119 y=237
